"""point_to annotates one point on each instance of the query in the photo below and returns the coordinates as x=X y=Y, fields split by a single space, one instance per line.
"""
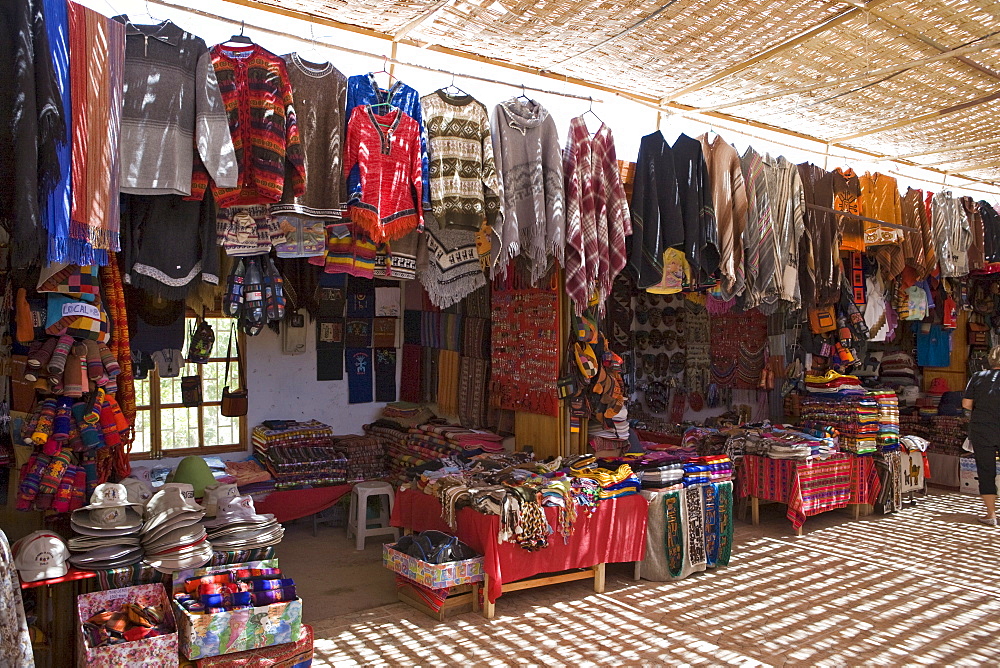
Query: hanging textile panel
x=525 y=356
x=739 y=347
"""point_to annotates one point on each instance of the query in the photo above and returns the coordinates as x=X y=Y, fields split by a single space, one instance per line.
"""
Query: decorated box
x=202 y=635
x=435 y=576
x=153 y=652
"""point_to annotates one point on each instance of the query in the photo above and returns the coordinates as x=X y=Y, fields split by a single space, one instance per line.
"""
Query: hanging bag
x=235 y=402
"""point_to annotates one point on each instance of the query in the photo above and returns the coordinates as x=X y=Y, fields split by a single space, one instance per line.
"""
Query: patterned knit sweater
x=386 y=152
x=258 y=97
x=464 y=183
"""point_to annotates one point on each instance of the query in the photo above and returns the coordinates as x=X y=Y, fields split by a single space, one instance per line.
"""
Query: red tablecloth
x=615 y=532
x=865 y=484
x=807 y=488
x=291 y=504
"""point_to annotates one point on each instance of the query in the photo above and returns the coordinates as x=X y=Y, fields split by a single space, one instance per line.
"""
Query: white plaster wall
x=284 y=387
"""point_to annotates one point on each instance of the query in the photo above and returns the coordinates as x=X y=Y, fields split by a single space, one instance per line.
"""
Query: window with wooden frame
x=165 y=427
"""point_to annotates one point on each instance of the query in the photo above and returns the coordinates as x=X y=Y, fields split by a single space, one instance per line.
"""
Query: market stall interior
x=346 y=333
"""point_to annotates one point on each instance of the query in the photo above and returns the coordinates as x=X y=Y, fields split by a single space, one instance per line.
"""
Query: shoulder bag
x=235 y=402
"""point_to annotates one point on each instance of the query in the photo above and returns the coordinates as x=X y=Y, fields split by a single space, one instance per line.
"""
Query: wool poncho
x=386 y=151
x=729 y=198
x=952 y=235
x=762 y=287
x=171 y=95
x=656 y=210
x=526 y=150
x=320 y=92
x=254 y=85
x=694 y=191
x=784 y=190
x=597 y=214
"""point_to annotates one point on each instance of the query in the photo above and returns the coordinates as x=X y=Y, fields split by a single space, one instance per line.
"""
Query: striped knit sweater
x=258 y=98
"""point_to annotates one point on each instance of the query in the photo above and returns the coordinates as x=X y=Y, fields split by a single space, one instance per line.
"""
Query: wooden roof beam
x=913 y=120
x=422 y=18
x=773 y=51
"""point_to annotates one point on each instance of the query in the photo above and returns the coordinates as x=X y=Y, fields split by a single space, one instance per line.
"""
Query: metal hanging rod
x=390 y=60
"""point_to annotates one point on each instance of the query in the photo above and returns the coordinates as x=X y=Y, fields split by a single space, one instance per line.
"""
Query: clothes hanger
x=313 y=50
x=452 y=87
x=385 y=71
x=239 y=39
x=590 y=110
x=523 y=96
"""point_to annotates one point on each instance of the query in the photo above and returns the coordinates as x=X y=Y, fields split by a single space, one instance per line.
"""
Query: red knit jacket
x=258 y=98
x=388 y=157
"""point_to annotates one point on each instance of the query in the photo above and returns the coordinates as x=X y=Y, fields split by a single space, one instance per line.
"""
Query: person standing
x=982 y=398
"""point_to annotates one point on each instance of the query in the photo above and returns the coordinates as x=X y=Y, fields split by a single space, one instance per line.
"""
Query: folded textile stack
x=407 y=414
x=469 y=441
x=888 y=419
x=720 y=467
x=172 y=537
x=615 y=480
x=785 y=444
x=927 y=406
x=251 y=477
x=365 y=457
x=914 y=443
x=833 y=384
x=107 y=530
x=299 y=454
x=238 y=526
x=899 y=370
x=696 y=474
x=947 y=434
x=398 y=458
x=656 y=476
x=856 y=419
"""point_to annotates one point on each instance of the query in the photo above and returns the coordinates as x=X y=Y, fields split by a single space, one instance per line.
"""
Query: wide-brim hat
x=87 y=543
x=113 y=518
x=108 y=553
x=139 y=491
x=262 y=540
x=245 y=535
x=242 y=529
x=178 y=550
x=218 y=494
x=173 y=540
x=173 y=564
x=186 y=491
x=165 y=524
x=239 y=509
x=175 y=534
x=109 y=495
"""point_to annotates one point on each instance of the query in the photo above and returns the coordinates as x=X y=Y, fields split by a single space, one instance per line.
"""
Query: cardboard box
x=203 y=635
x=969 y=481
x=157 y=652
x=435 y=576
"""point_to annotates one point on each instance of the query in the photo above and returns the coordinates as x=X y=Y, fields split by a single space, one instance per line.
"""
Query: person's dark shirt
x=984 y=390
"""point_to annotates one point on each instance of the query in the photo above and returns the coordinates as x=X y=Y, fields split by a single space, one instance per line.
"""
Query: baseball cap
x=40 y=556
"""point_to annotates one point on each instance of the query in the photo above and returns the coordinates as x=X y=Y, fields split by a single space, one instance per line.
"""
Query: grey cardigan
x=532 y=199
x=172 y=102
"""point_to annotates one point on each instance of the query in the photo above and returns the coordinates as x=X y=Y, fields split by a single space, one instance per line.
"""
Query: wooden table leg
x=755 y=510
x=798 y=532
x=475 y=597
x=637 y=573
x=489 y=609
x=856 y=510
x=599 y=578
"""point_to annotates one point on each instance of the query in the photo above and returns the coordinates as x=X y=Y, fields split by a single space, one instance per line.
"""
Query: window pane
x=142 y=392
x=143 y=433
x=170 y=390
x=212 y=380
x=179 y=428
x=222 y=328
x=219 y=429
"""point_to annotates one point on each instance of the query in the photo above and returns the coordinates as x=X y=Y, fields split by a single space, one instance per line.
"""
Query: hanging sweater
x=991 y=229
x=255 y=88
x=597 y=214
x=694 y=191
x=532 y=201
x=362 y=89
x=320 y=94
x=847 y=197
x=977 y=247
x=784 y=189
x=820 y=267
x=952 y=235
x=385 y=149
x=172 y=106
x=464 y=184
x=758 y=238
x=657 y=218
x=729 y=198
x=882 y=202
x=918 y=251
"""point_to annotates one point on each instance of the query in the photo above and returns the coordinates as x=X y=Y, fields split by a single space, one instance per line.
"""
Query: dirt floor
x=920 y=586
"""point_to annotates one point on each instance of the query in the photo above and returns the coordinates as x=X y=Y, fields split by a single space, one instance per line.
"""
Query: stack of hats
x=239 y=527
x=929 y=404
x=107 y=530
x=172 y=537
x=41 y=555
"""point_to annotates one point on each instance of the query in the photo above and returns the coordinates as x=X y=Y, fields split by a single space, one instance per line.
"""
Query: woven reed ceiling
x=873 y=73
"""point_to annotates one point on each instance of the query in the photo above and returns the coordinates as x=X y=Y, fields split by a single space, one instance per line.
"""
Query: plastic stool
x=357 y=516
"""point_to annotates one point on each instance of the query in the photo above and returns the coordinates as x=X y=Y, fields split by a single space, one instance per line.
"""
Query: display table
x=865 y=484
x=615 y=532
x=807 y=488
x=689 y=530
x=292 y=504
